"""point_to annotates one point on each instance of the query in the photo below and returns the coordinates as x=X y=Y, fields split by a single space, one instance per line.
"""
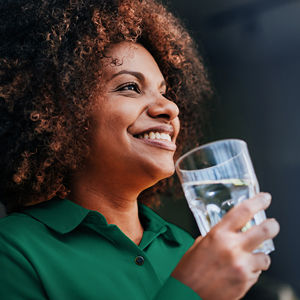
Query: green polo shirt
x=59 y=250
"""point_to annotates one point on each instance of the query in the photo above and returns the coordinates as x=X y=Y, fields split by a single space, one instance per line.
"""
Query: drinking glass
x=215 y=177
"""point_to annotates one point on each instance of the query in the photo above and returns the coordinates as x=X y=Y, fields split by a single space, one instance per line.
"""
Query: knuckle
x=246 y=209
x=216 y=235
x=240 y=271
x=266 y=230
x=229 y=254
x=216 y=238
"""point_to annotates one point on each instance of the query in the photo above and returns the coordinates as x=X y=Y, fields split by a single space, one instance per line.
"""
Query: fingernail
x=276 y=224
x=267 y=198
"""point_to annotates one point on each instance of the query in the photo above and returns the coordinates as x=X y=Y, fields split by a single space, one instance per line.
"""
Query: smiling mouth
x=154 y=136
x=157 y=139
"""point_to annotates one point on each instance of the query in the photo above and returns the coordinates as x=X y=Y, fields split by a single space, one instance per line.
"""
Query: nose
x=163 y=108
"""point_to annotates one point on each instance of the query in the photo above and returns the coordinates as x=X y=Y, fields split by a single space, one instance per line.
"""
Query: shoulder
x=16 y=220
x=16 y=240
x=18 y=227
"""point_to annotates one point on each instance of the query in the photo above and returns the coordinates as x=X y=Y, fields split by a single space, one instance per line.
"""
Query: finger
x=255 y=236
x=260 y=262
x=238 y=216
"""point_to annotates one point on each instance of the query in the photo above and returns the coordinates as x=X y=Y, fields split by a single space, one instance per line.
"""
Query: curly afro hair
x=50 y=65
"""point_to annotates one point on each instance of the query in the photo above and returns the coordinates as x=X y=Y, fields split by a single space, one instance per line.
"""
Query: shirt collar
x=63 y=216
x=153 y=222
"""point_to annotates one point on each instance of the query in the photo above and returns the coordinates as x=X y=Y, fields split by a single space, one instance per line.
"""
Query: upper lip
x=161 y=129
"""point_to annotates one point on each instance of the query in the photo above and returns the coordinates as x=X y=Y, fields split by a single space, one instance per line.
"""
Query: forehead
x=130 y=56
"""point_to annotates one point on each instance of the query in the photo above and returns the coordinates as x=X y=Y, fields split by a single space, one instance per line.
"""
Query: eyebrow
x=138 y=75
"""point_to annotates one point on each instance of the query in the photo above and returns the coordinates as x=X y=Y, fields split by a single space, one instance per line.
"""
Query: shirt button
x=139 y=260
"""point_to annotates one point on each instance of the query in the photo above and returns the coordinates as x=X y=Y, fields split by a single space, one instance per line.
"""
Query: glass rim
x=181 y=158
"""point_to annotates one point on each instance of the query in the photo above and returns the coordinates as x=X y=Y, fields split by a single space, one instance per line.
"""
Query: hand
x=222 y=265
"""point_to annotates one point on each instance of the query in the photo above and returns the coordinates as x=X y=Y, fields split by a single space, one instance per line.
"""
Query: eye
x=129 y=86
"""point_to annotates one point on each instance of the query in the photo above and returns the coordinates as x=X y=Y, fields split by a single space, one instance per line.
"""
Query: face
x=135 y=125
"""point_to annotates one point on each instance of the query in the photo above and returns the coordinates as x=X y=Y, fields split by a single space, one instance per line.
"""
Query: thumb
x=197 y=241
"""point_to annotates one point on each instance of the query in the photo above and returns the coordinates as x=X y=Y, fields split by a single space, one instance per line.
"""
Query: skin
x=219 y=266
x=132 y=102
x=225 y=260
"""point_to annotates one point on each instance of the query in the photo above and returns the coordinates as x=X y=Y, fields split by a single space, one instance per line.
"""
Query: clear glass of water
x=215 y=177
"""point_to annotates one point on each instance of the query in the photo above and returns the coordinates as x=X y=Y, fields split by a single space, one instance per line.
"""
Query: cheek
x=112 y=122
x=123 y=113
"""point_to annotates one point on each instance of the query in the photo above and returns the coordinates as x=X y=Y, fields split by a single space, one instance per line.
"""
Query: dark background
x=252 y=51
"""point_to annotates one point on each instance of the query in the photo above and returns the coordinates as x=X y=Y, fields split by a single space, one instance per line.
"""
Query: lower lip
x=159 y=143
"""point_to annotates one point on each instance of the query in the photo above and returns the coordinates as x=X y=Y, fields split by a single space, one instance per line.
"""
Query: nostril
x=163 y=116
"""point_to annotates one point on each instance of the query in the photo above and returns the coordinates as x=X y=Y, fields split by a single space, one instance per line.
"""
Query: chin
x=153 y=171
x=170 y=172
x=157 y=178
x=163 y=172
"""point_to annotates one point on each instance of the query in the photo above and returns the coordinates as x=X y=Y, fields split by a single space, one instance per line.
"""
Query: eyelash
x=136 y=88
x=129 y=84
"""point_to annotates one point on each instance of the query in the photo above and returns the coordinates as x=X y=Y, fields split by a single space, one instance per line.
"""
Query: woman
x=90 y=92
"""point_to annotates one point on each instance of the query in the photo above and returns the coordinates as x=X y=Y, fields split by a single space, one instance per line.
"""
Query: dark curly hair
x=50 y=65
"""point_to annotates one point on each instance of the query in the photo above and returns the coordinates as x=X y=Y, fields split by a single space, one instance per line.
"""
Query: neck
x=119 y=206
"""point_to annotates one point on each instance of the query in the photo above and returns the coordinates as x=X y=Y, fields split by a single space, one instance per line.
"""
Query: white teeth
x=152 y=135
x=165 y=136
x=155 y=136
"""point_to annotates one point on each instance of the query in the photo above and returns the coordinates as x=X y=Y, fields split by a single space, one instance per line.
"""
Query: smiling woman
x=90 y=94
x=139 y=126
x=52 y=59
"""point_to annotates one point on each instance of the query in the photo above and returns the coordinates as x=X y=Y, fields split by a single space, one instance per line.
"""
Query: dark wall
x=252 y=49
